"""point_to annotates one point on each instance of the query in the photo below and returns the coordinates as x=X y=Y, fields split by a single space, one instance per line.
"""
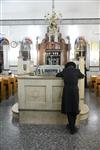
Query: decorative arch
x=80 y=41
x=80 y=47
x=25 y=47
x=27 y=40
x=4 y=41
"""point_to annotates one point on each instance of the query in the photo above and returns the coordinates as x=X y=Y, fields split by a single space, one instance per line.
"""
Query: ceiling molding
x=75 y=21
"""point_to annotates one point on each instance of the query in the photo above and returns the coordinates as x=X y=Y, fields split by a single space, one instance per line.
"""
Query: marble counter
x=38 y=77
x=39 y=100
x=39 y=92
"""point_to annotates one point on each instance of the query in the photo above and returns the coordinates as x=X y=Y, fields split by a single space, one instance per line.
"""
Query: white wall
x=31 y=9
x=17 y=33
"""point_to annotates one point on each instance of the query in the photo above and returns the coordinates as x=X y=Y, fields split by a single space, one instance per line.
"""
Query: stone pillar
x=20 y=69
x=81 y=82
x=30 y=66
x=84 y=110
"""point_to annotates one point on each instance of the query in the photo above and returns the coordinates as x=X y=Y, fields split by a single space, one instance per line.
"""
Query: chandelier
x=53 y=19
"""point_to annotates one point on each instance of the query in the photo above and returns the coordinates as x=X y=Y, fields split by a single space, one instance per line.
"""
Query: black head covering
x=70 y=64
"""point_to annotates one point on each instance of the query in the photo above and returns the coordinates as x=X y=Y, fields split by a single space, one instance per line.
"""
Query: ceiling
x=37 y=9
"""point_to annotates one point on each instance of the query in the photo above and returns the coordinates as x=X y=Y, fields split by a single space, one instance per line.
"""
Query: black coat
x=70 y=97
x=0 y=68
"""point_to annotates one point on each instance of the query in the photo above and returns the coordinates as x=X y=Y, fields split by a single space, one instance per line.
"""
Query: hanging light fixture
x=54 y=19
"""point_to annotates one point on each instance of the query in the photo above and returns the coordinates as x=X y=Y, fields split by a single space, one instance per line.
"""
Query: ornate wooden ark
x=53 y=50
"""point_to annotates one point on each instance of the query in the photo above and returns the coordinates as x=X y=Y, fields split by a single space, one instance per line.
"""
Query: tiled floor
x=15 y=136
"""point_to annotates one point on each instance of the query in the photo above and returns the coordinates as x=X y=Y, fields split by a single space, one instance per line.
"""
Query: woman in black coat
x=86 y=85
x=70 y=97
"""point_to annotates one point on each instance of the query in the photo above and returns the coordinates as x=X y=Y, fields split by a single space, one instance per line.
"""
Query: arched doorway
x=80 y=47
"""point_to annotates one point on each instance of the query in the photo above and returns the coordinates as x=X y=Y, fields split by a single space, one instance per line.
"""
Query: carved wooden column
x=42 y=48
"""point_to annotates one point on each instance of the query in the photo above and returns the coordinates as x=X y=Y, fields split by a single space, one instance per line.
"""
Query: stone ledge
x=47 y=117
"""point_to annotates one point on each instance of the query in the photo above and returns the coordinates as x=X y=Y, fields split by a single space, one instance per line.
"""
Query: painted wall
x=18 y=33
x=32 y=9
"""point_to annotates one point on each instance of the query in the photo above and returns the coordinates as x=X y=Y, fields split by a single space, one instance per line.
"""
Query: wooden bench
x=8 y=86
x=96 y=85
x=99 y=91
x=92 y=82
x=13 y=84
x=2 y=89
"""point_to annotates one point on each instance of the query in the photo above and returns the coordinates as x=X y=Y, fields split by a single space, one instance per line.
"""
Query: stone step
x=51 y=117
